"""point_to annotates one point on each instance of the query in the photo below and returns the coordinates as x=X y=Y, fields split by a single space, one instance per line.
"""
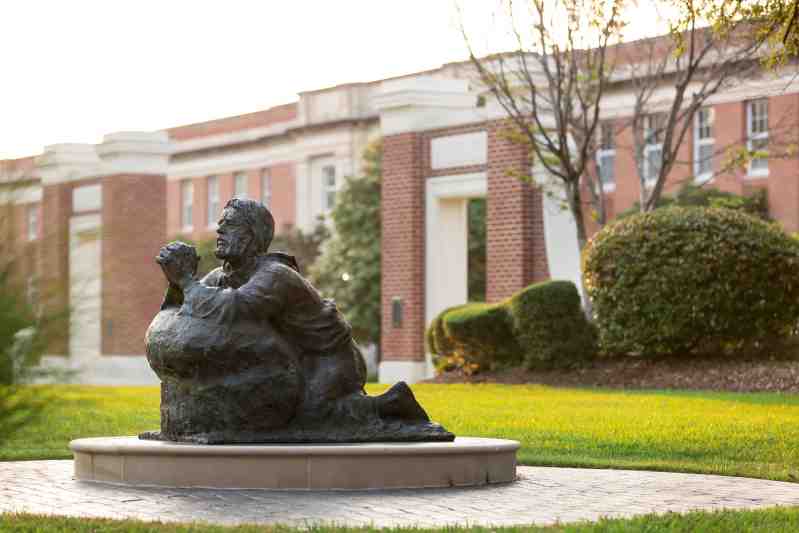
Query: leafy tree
x=30 y=321
x=349 y=269
x=17 y=327
x=305 y=247
x=550 y=89
x=689 y=67
x=774 y=23
x=691 y=195
x=27 y=324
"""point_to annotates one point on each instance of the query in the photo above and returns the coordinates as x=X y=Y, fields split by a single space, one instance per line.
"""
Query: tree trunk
x=575 y=206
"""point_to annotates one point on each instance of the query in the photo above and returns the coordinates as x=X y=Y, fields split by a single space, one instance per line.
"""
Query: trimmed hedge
x=549 y=325
x=690 y=280
x=540 y=326
x=472 y=336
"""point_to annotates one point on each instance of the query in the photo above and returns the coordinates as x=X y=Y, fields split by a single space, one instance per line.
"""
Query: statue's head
x=245 y=228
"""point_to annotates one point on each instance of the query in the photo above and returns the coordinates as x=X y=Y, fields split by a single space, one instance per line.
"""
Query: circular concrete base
x=130 y=461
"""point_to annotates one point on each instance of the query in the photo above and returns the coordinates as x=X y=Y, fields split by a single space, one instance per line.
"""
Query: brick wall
x=783 y=180
x=627 y=192
x=403 y=245
x=21 y=255
x=516 y=251
x=173 y=208
x=729 y=131
x=54 y=280
x=134 y=229
x=284 y=192
x=282 y=202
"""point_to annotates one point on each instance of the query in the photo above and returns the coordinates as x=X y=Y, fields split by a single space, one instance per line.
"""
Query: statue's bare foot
x=399 y=402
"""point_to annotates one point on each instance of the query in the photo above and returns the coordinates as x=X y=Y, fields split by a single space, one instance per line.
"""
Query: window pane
x=704 y=159
x=704 y=128
x=266 y=188
x=240 y=186
x=606 y=171
x=33 y=222
x=329 y=176
x=329 y=186
x=187 y=195
x=653 y=160
x=758 y=116
x=653 y=128
x=759 y=160
x=213 y=200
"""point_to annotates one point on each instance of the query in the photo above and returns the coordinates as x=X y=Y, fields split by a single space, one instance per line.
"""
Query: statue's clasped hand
x=179 y=262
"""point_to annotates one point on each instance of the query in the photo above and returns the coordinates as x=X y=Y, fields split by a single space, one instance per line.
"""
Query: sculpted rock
x=253 y=353
x=215 y=378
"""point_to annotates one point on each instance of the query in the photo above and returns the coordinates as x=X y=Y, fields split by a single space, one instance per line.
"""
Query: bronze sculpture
x=253 y=354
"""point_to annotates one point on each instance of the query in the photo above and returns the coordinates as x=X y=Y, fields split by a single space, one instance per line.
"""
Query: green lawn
x=764 y=521
x=753 y=435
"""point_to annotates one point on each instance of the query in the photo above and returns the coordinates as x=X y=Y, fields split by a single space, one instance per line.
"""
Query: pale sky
x=75 y=70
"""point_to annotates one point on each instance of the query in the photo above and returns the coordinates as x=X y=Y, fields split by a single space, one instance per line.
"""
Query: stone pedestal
x=465 y=462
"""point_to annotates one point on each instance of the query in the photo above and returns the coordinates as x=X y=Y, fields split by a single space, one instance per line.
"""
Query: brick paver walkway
x=540 y=496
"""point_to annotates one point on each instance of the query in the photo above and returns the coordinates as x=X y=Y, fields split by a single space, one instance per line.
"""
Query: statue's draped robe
x=272 y=290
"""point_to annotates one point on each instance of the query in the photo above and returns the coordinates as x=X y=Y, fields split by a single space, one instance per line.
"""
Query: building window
x=757 y=136
x=329 y=188
x=33 y=222
x=187 y=204
x=653 y=147
x=703 y=145
x=266 y=188
x=606 y=156
x=213 y=201
x=240 y=185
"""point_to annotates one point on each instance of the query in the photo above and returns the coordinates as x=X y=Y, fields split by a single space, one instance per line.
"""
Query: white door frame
x=446 y=241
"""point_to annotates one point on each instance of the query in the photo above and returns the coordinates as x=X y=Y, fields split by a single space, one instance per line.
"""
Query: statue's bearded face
x=233 y=236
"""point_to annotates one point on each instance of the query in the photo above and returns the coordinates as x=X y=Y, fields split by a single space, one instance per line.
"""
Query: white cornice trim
x=620 y=104
x=127 y=152
x=134 y=152
x=417 y=104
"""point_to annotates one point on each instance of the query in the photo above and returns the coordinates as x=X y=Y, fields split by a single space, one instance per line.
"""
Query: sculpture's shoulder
x=278 y=265
x=278 y=269
x=212 y=278
x=278 y=261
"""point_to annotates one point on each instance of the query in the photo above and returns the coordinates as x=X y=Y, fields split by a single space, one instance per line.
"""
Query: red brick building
x=90 y=218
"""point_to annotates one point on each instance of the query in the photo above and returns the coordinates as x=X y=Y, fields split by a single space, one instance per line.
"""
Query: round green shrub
x=549 y=325
x=690 y=280
x=540 y=326
x=477 y=334
x=438 y=342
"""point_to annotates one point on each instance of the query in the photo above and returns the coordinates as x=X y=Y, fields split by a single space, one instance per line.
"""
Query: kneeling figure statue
x=251 y=353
